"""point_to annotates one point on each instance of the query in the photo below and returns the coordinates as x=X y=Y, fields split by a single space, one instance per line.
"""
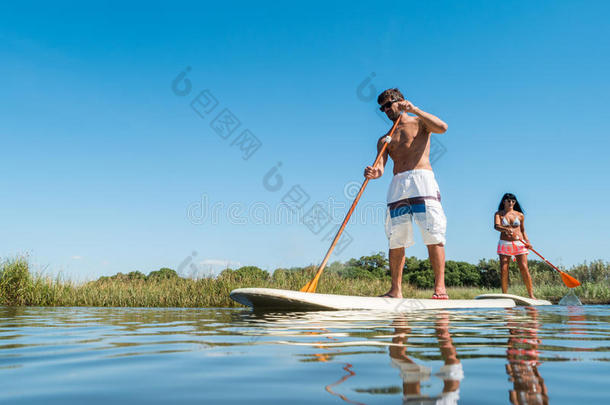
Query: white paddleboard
x=518 y=299
x=280 y=300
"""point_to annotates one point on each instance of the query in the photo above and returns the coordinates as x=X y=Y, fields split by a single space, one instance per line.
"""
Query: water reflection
x=329 y=388
x=413 y=374
x=349 y=356
x=577 y=320
x=411 y=355
x=524 y=358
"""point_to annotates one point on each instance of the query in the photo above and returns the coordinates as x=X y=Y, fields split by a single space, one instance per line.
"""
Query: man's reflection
x=522 y=355
x=413 y=374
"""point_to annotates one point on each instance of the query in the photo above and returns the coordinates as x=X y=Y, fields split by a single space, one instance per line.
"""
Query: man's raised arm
x=432 y=122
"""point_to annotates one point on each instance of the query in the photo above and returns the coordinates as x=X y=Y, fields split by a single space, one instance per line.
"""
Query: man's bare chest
x=406 y=141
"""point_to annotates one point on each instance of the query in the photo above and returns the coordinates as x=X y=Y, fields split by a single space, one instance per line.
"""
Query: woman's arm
x=498 y=225
x=525 y=238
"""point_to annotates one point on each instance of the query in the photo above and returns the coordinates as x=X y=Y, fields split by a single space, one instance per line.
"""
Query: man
x=413 y=193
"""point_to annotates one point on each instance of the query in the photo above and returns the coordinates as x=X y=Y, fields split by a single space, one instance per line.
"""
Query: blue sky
x=102 y=161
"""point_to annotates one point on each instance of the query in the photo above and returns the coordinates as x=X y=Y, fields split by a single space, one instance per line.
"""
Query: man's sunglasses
x=387 y=105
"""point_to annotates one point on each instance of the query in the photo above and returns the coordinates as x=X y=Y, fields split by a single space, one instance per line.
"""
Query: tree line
x=416 y=272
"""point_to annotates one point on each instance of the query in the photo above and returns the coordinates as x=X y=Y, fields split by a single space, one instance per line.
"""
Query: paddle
x=568 y=280
x=313 y=284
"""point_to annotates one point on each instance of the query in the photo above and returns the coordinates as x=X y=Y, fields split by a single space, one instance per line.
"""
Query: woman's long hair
x=511 y=196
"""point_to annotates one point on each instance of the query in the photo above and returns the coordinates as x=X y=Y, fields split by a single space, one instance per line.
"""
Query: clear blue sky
x=101 y=160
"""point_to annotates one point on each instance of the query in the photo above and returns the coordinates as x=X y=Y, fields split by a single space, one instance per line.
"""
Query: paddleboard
x=281 y=300
x=518 y=299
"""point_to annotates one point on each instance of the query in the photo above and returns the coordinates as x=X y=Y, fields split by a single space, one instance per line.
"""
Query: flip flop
x=386 y=295
x=440 y=296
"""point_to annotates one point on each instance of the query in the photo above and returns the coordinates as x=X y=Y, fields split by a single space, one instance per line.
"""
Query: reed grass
x=19 y=287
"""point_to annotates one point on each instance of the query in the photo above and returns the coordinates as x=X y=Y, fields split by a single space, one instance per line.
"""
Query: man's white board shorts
x=414 y=195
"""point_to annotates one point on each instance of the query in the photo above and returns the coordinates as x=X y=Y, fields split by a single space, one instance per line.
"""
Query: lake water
x=208 y=356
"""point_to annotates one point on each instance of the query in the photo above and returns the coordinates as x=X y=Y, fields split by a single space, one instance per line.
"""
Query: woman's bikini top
x=516 y=222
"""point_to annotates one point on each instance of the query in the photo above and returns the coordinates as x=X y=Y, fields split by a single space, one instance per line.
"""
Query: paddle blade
x=306 y=287
x=569 y=280
x=312 y=285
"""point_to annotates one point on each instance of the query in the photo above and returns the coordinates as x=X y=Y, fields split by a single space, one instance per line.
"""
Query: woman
x=508 y=220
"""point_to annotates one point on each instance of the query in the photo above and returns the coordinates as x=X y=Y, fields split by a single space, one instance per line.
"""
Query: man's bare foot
x=440 y=295
x=389 y=294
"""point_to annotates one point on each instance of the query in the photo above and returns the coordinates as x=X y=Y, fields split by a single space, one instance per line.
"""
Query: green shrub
x=357 y=272
x=136 y=275
x=251 y=272
x=163 y=274
x=15 y=281
x=373 y=267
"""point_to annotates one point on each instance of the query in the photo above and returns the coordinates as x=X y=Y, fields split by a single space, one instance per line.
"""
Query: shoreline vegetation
x=366 y=276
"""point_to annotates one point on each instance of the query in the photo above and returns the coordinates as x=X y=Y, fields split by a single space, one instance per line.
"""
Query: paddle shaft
x=568 y=280
x=349 y=214
x=547 y=262
x=311 y=286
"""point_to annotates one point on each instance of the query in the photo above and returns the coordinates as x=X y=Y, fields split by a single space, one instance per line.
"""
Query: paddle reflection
x=350 y=373
x=523 y=358
x=577 y=320
x=326 y=357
